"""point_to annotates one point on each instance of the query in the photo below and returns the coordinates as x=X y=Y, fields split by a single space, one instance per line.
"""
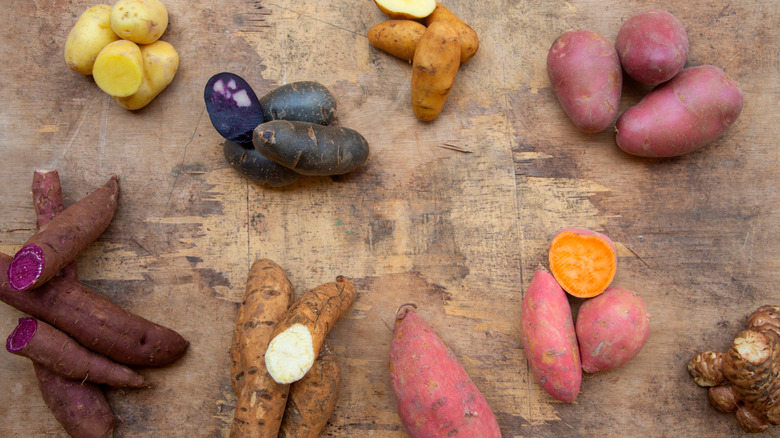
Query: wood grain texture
x=458 y=233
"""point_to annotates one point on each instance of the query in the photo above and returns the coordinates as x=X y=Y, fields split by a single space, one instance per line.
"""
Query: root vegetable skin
x=434 y=67
x=47 y=201
x=433 y=393
x=297 y=339
x=59 y=242
x=583 y=261
x=397 y=37
x=549 y=338
x=469 y=41
x=611 y=329
x=47 y=346
x=260 y=400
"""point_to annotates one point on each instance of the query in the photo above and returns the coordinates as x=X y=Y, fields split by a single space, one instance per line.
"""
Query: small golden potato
x=397 y=37
x=140 y=21
x=119 y=68
x=160 y=64
x=469 y=41
x=87 y=38
x=436 y=62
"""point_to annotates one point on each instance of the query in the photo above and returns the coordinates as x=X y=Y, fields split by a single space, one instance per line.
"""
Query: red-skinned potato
x=680 y=116
x=586 y=77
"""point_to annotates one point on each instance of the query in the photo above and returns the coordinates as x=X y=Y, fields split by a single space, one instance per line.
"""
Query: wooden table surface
x=458 y=232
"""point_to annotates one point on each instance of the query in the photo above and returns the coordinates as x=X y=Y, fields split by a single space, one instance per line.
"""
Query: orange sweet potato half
x=583 y=261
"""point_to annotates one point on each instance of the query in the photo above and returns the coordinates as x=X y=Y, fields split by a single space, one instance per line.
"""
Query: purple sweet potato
x=47 y=200
x=59 y=242
x=549 y=338
x=47 y=346
x=434 y=395
x=682 y=115
x=585 y=75
x=652 y=46
x=611 y=329
x=95 y=322
x=80 y=407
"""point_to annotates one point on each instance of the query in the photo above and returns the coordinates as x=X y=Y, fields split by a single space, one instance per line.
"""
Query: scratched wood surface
x=458 y=232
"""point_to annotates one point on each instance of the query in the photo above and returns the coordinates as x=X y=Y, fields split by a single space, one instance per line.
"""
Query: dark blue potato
x=232 y=106
x=245 y=159
x=305 y=101
x=311 y=149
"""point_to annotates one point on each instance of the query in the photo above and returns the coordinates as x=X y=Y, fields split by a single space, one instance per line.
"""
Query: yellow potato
x=397 y=37
x=160 y=64
x=89 y=35
x=469 y=41
x=436 y=62
x=140 y=21
x=119 y=68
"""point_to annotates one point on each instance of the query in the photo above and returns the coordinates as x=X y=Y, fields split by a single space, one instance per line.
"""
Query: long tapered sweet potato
x=434 y=395
x=80 y=407
x=95 y=321
x=312 y=399
x=47 y=201
x=297 y=339
x=45 y=345
x=261 y=400
x=60 y=241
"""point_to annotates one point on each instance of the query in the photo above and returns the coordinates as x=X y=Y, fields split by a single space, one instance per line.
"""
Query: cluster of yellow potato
x=434 y=39
x=120 y=47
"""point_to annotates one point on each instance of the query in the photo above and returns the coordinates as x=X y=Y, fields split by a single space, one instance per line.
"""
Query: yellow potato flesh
x=406 y=9
x=118 y=68
x=160 y=64
x=87 y=38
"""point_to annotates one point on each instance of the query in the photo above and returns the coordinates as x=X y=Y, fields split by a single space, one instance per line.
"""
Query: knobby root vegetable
x=549 y=338
x=397 y=37
x=60 y=241
x=469 y=41
x=260 y=400
x=47 y=201
x=434 y=67
x=611 y=329
x=80 y=407
x=244 y=158
x=233 y=107
x=433 y=393
x=312 y=399
x=47 y=346
x=160 y=64
x=87 y=38
x=119 y=68
x=298 y=337
x=311 y=149
x=583 y=261
x=746 y=379
x=304 y=101
x=96 y=322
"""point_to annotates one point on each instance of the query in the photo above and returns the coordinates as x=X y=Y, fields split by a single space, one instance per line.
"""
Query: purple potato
x=257 y=168
x=305 y=101
x=233 y=107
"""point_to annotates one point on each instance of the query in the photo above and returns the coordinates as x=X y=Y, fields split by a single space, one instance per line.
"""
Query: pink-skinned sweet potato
x=549 y=339
x=585 y=75
x=95 y=321
x=682 y=115
x=611 y=329
x=80 y=407
x=652 y=46
x=47 y=346
x=433 y=393
x=59 y=242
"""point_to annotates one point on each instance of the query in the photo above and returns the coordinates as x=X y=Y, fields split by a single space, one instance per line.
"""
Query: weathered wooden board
x=458 y=233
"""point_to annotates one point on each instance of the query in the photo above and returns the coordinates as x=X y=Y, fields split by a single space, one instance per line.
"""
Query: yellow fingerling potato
x=397 y=37
x=436 y=62
x=469 y=41
x=87 y=38
x=140 y=21
x=160 y=64
x=119 y=68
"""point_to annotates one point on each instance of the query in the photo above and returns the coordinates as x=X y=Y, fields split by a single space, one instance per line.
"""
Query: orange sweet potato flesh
x=549 y=338
x=583 y=261
x=434 y=395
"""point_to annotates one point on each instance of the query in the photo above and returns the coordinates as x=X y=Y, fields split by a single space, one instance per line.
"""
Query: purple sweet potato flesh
x=47 y=346
x=59 y=242
x=233 y=107
x=96 y=322
x=80 y=407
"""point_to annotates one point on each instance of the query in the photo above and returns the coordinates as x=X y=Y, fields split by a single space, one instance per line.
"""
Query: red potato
x=652 y=46
x=59 y=242
x=434 y=395
x=586 y=77
x=47 y=346
x=80 y=407
x=95 y=322
x=680 y=116
x=611 y=329
x=549 y=339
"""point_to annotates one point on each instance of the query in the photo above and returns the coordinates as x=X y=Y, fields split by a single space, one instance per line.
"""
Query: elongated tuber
x=47 y=200
x=746 y=379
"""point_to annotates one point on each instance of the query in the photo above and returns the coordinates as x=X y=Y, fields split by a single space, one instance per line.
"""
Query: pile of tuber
x=746 y=378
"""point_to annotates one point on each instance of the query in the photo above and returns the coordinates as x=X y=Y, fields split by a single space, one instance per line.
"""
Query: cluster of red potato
x=688 y=109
